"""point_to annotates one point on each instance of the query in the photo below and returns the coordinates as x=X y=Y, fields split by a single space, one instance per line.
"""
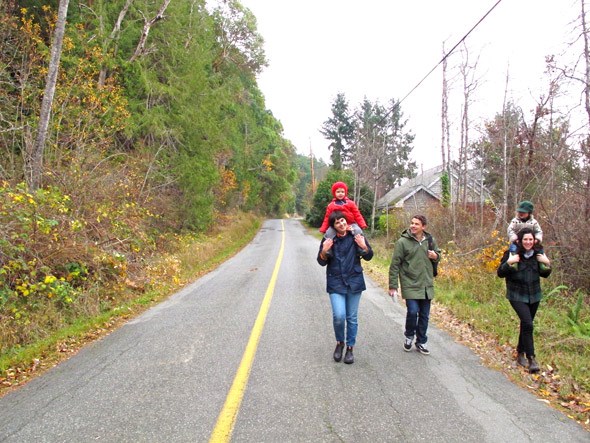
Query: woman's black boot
x=338 y=351
x=521 y=360
x=348 y=357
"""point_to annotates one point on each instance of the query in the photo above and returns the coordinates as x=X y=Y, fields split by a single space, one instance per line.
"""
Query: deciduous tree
x=34 y=158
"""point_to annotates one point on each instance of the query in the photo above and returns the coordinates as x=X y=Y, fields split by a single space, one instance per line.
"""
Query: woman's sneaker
x=408 y=344
x=422 y=349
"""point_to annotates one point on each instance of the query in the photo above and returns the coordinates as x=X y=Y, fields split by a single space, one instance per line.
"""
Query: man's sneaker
x=407 y=344
x=422 y=349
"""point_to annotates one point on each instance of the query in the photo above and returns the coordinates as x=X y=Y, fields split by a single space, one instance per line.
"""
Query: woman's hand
x=513 y=259
x=360 y=241
x=542 y=258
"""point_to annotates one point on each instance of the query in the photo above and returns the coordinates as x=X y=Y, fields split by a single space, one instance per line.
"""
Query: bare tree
x=581 y=76
x=34 y=158
x=444 y=139
x=147 y=26
x=470 y=84
x=505 y=149
x=112 y=37
x=586 y=82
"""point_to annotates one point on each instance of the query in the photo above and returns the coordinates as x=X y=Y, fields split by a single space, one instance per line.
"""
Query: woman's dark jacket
x=523 y=284
x=344 y=272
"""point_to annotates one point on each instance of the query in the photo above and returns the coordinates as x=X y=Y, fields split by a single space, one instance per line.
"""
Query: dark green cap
x=525 y=206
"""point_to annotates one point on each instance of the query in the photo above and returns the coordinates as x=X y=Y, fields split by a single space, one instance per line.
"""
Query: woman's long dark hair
x=521 y=234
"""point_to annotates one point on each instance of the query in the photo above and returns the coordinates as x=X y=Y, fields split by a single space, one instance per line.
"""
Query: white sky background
x=381 y=49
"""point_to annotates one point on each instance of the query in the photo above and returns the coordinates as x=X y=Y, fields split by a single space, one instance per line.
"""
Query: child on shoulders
x=348 y=207
x=524 y=218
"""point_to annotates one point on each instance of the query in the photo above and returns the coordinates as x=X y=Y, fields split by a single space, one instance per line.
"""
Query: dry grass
x=163 y=275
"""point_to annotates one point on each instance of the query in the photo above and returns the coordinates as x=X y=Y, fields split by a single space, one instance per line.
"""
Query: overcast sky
x=381 y=49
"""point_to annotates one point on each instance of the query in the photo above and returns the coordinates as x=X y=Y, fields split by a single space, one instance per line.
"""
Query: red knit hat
x=338 y=185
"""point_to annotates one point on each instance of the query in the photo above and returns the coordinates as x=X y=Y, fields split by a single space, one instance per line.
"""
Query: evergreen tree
x=381 y=155
x=304 y=188
x=323 y=196
x=339 y=129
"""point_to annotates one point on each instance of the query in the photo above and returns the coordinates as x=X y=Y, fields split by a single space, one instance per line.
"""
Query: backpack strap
x=434 y=264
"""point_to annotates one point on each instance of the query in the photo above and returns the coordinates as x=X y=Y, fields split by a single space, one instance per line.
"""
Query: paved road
x=164 y=377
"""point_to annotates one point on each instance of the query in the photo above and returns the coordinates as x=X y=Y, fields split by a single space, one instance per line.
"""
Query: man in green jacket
x=412 y=267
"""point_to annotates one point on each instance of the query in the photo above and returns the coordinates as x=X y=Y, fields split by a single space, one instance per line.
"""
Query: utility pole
x=313 y=185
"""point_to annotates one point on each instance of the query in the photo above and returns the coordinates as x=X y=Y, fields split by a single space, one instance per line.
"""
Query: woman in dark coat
x=523 y=291
x=344 y=280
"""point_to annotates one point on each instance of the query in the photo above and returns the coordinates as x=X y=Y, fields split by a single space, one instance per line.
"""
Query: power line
x=397 y=104
x=444 y=58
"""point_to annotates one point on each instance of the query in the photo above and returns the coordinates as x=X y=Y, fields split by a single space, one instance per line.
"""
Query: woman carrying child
x=523 y=290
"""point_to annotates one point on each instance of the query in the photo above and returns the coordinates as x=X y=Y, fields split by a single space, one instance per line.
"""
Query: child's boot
x=513 y=250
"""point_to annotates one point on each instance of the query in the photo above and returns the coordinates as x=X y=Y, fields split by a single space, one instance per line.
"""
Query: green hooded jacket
x=411 y=266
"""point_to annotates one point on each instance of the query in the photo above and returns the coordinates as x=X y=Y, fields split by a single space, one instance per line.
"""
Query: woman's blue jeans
x=345 y=309
x=417 y=315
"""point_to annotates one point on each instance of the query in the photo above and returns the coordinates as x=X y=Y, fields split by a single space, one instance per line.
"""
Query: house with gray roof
x=425 y=190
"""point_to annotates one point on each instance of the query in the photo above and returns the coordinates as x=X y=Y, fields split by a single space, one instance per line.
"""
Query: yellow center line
x=227 y=417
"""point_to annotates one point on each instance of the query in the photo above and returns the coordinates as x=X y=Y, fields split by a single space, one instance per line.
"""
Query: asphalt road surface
x=166 y=376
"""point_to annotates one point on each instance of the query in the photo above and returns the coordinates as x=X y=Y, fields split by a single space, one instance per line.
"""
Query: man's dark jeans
x=418 y=313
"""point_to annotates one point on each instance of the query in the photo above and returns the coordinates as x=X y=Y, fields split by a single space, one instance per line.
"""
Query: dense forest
x=158 y=99
x=123 y=125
